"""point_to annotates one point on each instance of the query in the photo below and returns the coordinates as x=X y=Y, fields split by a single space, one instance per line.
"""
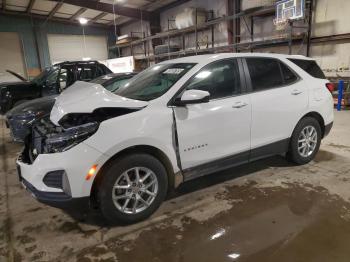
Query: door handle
x=239 y=105
x=296 y=92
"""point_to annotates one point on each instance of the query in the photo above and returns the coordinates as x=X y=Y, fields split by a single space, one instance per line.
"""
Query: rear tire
x=305 y=141
x=123 y=197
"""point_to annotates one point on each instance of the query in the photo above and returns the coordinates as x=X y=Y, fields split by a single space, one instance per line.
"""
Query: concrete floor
x=266 y=211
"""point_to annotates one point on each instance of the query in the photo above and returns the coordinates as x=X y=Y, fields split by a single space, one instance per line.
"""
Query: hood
x=44 y=104
x=83 y=97
x=16 y=75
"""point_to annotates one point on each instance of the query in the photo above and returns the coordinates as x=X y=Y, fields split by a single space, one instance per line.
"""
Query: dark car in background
x=51 y=81
x=20 y=118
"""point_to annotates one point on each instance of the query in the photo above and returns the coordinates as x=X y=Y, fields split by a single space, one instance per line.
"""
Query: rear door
x=279 y=100
x=216 y=134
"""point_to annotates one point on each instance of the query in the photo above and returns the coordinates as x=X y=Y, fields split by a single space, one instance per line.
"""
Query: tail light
x=330 y=87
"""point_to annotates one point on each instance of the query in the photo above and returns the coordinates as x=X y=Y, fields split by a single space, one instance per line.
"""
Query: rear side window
x=310 y=66
x=265 y=73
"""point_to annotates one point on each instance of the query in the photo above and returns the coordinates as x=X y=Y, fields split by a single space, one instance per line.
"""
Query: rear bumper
x=327 y=129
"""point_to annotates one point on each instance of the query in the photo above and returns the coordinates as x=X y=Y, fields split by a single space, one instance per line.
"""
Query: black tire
x=293 y=154
x=111 y=175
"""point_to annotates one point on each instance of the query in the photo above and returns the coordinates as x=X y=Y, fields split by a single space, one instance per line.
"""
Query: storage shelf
x=256 y=12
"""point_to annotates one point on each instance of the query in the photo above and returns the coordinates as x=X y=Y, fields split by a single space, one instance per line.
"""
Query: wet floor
x=270 y=224
x=270 y=210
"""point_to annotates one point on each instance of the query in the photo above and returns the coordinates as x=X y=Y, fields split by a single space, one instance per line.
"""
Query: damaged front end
x=73 y=128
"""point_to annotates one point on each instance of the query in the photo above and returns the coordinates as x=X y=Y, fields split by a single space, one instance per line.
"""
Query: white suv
x=176 y=121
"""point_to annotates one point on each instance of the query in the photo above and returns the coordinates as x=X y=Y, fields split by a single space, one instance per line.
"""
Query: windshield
x=112 y=83
x=44 y=75
x=154 y=81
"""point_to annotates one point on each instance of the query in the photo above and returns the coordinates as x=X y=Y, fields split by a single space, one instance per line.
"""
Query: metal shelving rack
x=251 y=14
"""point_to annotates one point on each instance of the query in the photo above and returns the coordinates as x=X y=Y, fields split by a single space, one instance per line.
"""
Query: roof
x=203 y=59
x=98 y=12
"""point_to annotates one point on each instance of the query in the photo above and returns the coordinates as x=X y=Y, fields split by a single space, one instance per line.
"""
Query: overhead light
x=83 y=21
x=86 y=58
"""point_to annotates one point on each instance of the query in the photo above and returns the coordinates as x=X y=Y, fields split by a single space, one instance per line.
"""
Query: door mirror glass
x=193 y=97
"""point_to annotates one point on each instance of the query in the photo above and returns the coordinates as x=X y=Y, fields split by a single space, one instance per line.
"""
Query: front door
x=215 y=134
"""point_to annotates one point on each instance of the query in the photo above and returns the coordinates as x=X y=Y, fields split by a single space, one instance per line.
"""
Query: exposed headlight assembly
x=68 y=138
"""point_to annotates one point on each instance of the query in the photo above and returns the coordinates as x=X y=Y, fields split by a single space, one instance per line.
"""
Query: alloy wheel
x=307 y=141
x=135 y=190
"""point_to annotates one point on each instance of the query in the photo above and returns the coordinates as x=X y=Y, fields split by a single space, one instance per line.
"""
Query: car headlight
x=68 y=138
x=29 y=115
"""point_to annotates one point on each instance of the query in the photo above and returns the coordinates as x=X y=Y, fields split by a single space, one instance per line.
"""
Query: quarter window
x=220 y=79
x=265 y=73
x=288 y=75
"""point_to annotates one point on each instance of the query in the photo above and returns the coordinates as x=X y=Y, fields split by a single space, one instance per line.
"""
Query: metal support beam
x=44 y=17
x=309 y=30
x=98 y=17
x=155 y=29
x=30 y=6
x=55 y=9
x=77 y=14
x=171 y=5
x=108 y=8
x=230 y=12
x=237 y=23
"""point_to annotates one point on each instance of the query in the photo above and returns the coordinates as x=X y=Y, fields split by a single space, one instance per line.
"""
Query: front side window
x=220 y=79
x=154 y=81
x=265 y=73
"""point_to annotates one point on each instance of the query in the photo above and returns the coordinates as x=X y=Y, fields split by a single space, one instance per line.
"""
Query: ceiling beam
x=44 y=17
x=171 y=5
x=55 y=9
x=78 y=13
x=30 y=6
x=108 y=8
x=98 y=17
x=158 y=11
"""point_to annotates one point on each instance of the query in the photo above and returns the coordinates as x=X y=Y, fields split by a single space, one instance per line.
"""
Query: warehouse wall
x=330 y=18
x=220 y=30
x=218 y=7
x=138 y=27
x=32 y=30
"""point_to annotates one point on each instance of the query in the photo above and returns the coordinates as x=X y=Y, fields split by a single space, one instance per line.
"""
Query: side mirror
x=192 y=97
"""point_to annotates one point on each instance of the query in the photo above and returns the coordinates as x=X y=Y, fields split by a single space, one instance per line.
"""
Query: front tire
x=305 y=141
x=132 y=188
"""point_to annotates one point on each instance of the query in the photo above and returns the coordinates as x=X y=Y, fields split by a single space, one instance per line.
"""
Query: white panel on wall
x=11 y=55
x=71 y=47
x=331 y=17
x=332 y=57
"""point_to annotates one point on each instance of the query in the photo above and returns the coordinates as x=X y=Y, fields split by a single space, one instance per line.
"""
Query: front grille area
x=54 y=179
x=40 y=131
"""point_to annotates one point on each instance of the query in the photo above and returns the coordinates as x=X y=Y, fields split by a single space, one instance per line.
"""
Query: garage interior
x=268 y=210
